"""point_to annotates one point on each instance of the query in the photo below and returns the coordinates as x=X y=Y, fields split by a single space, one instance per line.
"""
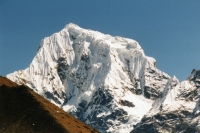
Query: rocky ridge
x=178 y=111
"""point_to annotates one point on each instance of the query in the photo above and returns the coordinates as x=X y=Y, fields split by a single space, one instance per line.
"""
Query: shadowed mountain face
x=23 y=110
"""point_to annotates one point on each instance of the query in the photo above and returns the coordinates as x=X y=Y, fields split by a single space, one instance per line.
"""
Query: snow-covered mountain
x=176 y=112
x=107 y=82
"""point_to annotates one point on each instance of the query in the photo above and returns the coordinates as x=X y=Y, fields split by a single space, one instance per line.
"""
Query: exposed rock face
x=126 y=103
x=176 y=112
x=107 y=82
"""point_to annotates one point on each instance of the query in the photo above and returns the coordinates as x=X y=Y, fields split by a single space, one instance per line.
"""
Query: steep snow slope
x=107 y=82
x=178 y=111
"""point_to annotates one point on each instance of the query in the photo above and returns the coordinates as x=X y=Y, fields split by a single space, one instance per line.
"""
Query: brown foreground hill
x=24 y=111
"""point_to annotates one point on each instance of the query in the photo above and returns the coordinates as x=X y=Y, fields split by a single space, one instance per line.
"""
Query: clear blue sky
x=168 y=30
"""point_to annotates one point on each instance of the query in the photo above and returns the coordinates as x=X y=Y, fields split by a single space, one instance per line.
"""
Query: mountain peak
x=107 y=82
x=195 y=75
x=71 y=25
